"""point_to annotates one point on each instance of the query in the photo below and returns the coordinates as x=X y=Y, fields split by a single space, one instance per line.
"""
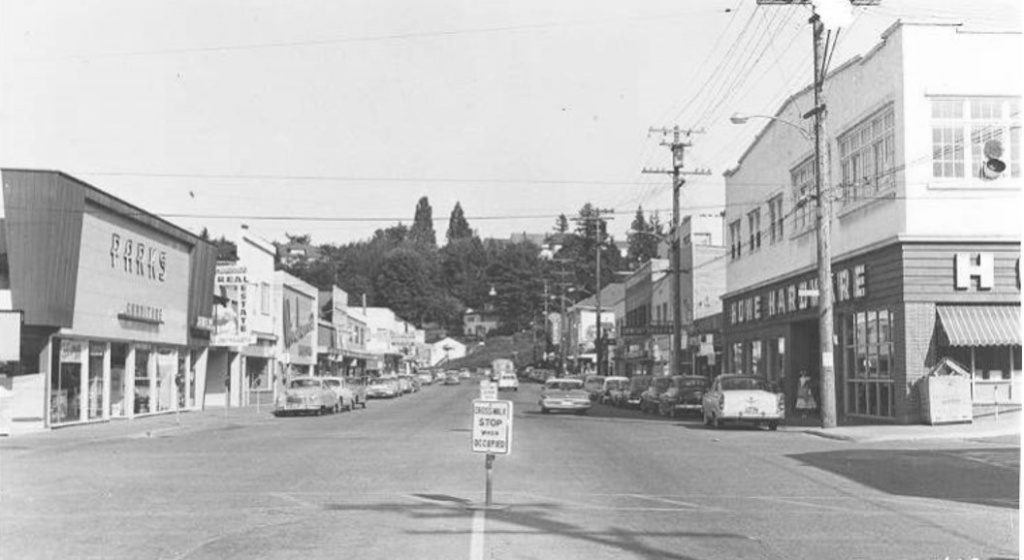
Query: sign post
x=492 y=434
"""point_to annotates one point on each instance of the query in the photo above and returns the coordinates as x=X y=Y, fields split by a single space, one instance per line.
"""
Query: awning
x=981 y=325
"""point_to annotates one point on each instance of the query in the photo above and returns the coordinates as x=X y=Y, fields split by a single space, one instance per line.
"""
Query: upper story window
x=775 y=218
x=754 y=225
x=957 y=121
x=867 y=155
x=735 y=240
x=803 y=190
x=265 y=298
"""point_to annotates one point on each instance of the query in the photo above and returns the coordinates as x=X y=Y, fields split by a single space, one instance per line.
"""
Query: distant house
x=477 y=323
x=549 y=243
x=294 y=253
x=445 y=350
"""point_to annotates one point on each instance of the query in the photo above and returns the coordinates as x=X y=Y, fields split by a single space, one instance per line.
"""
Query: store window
x=868 y=362
x=118 y=379
x=757 y=366
x=166 y=371
x=143 y=382
x=97 y=355
x=736 y=357
x=754 y=225
x=735 y=240
x=66 y=381
x=978 y=120
x=867 y=156
x=775 y=218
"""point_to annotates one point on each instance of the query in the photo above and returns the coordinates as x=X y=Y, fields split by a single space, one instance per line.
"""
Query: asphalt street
x=399 y=480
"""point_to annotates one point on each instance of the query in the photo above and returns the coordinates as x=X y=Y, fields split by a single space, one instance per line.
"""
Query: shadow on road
x=532 y=519
x=978 y=476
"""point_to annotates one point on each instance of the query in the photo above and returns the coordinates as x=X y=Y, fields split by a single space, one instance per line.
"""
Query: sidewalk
x=147 y=426
x=983 y=426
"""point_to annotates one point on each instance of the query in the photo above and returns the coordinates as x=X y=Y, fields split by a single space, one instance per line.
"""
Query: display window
x=868 y=362
x=143 y=382
x=66 y=382
x=97 y=360
x=166 y=372
x=118 y=379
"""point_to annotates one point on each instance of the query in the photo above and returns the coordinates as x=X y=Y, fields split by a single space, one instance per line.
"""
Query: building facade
x=925 y=245
x=116 y=304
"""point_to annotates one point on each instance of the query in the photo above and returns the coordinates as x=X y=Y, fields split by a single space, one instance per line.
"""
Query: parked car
x=564 y=394
x=650 y=399
x=742 y=398
x=425 y=378
x=346 y=397
x=464 y=373
x=452 y=379
x=594 y=385
x=508 y=380
x=684 y=394
x=306 y=394
x=382 y=387
x=358 y=387
x=610 y=385
x=637 y=385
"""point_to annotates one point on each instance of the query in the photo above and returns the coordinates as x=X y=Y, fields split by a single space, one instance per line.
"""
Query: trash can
x=946 y=394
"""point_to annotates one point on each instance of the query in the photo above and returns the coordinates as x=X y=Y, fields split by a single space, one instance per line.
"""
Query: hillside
x=518 y=348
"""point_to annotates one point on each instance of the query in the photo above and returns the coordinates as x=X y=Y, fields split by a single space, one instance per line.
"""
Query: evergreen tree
x=458 y=227
x=422 y=230
x=643 y=239
x=562 y=224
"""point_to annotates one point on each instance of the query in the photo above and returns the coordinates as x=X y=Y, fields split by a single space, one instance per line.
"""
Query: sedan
x=306 y=394
x=346 y=396
x=564 y=394
x=382 y=387
x=452 y=379
x=685 y=394
x=650 y=399
x=742 y=398
x=508 y=381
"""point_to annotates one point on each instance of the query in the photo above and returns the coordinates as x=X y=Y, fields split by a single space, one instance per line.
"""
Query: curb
x=960 y=435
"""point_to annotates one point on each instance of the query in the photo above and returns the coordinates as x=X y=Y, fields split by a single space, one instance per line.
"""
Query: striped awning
x=981 y=325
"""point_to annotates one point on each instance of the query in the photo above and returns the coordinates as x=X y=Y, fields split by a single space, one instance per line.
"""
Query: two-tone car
x=564 y=395
x=306 y=395
x=685 y=394
x=743 y=399
x=508 y=381
x=346 y=396
x=610 y=386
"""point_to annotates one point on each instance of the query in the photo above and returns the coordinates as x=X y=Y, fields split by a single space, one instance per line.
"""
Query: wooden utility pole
x=599 y=334
x=678 y=148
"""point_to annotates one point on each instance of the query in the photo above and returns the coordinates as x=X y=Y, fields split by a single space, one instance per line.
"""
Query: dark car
x=684 y=394
x=650 y=399
x=637 y=385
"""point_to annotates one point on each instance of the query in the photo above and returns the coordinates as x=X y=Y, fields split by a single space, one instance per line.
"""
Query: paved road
x=398 y=480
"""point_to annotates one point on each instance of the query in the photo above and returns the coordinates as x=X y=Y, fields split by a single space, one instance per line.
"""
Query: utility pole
x=599 y=334
x=678 y=148
x=823 y=196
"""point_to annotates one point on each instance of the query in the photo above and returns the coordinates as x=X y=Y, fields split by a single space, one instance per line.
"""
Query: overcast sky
x=333 y=117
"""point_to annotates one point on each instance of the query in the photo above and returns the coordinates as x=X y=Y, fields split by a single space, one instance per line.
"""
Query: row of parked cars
x=726 y=398
x=324 y=394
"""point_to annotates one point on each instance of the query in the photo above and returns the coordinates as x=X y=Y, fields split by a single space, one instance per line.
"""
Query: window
x=803 y=190
x=868 y=362
x=978 y=120
x=754 y=224
x=775 y=231
x=867 y=155
x=264 y=298
x=737 y=357
x=735 y=240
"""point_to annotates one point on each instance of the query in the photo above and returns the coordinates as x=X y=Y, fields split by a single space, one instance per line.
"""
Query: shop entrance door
x=804 y=357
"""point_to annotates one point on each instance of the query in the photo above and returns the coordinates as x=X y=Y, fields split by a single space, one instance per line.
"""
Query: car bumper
x=380 y=393
x=564 y=405
x=687 y=406
x=297 y=407
x=759 y=416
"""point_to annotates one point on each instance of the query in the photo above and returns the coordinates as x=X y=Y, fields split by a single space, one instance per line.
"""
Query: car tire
x=714 y=422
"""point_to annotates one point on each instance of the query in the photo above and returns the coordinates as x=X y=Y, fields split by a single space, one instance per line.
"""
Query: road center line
x=476 y=541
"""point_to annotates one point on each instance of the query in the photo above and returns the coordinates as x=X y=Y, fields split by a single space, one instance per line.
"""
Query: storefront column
x=234 y=395
x=129 y=384
x=106 y=381
x=83 y=384
x=199 y=377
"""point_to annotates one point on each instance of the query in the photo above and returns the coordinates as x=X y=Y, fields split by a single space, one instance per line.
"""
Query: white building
x=445 y=350
x=925 y=251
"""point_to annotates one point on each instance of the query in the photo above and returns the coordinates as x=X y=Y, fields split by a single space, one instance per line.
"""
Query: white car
x=346 y=396
x=508 y=381
x=742 y=398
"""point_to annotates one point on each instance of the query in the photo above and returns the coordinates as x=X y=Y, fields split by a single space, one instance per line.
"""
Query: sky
x=333 y=118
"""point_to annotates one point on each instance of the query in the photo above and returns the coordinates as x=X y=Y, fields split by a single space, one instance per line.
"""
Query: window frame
x=867 y=157
x=803 y=188
x=754 y=225
x=961 y=116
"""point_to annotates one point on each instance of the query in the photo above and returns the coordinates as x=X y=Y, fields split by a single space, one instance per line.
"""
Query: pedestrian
x=805 y=401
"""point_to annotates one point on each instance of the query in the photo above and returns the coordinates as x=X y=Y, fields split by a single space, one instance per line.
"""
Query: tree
x=562 y=224
x=643 y=239
x=580 y=249
x=404 y=285
x=458 y=227
x=422 y=230
x=304 y=239
x=516 y=272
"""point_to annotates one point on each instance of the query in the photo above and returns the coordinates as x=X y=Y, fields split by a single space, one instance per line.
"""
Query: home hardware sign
x=847 y=284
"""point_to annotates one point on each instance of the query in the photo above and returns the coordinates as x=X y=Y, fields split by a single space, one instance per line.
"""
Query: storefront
x=114 y=300
x=299 y=326
x=897 y=311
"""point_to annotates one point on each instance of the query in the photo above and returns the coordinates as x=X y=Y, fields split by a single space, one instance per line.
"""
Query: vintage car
x=637 y=385
x=346 y=397
x=507 y=381
x=425 y=378
x=358 y=387
x=594 y=386
x=452 y=378
x=685 y=394
x=650 y=399
x=611 y=386
x=564 y=394
x=307 y=394
x=742 y=398
x=382 y=387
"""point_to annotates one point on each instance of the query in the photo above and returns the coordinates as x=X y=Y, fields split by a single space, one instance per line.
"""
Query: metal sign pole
x=489 y=465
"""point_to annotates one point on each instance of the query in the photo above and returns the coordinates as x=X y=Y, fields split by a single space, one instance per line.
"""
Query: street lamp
x=740 y=118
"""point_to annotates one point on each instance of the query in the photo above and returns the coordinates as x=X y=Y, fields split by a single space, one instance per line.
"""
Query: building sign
x=299 y=317
x=71 y=351
x=847 y=284
x=137 y=256
x=142 y=313
x=648 y=330
x=968 y=267
x=231 y=313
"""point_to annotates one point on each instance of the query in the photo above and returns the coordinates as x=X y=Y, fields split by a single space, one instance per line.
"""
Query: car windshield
x=303 y=383
x=743 y=384
x=563 y=385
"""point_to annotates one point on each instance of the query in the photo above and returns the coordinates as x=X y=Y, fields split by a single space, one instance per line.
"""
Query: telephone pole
x=823 y=196
x=678 y=147
x=599 y=334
